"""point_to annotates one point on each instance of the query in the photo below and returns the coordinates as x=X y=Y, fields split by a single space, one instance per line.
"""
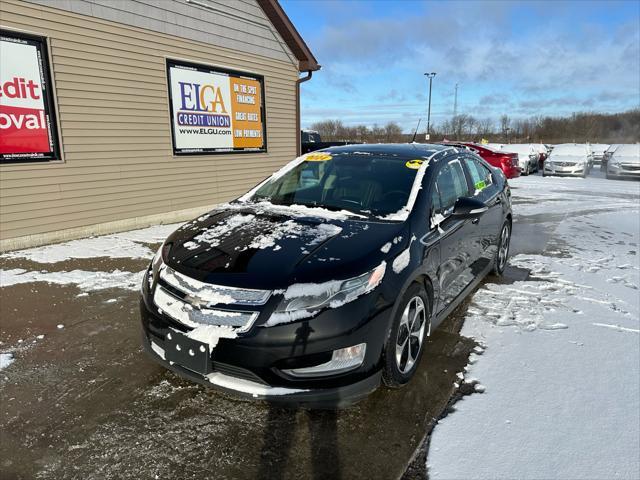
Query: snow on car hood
x=567 y=158
x=265 y=249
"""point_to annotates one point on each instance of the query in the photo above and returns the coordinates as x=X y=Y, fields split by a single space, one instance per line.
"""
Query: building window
x=27 y=116
x=214 y=110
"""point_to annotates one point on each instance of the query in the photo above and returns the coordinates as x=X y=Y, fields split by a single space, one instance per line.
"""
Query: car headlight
x=311 y=297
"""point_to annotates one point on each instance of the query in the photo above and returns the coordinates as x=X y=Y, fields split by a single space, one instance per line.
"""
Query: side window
x=436 y=207
x=451 y=184
x=481 y=177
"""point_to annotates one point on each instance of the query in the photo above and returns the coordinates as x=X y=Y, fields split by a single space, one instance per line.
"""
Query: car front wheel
x=411 y=325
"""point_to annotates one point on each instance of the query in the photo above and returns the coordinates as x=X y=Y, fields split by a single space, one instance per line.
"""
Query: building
x=119 y=114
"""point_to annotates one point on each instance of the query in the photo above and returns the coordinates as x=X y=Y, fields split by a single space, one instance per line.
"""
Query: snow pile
x=402 y=261
x=119 y=245
x=527 y=304
x=84 y=280
x=250 y=223
x=562 y=359
x=208 y=293
x=211 y=334
x=294 y=210
x=6 y=359
x=292 y=229
x=214 y=235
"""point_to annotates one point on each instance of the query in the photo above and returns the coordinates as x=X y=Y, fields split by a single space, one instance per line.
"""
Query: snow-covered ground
x=133 y=244
x=560 y=373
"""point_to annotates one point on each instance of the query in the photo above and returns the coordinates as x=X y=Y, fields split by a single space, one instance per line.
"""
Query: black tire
x=392 y=373
x=501 y=258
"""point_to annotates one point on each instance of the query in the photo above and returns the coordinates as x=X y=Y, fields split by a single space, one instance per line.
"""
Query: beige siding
x=110 y=87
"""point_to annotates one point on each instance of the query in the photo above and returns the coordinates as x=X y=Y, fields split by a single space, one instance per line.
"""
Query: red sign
x=26 y=127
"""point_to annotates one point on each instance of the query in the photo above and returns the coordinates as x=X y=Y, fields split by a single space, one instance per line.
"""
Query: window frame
x=447 y=212
x=54 y=155
x=472 y=184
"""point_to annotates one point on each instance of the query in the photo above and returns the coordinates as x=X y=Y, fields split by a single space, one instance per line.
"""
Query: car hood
x=266 y=250
x=567 y=158
x=628 y=159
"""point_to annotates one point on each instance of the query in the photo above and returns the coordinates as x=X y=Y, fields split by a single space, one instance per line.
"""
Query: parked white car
x=527 y=156
x=624 y=162
x=572 y=159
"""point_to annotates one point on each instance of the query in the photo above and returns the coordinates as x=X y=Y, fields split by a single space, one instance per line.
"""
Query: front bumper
x=252 y=365
x=577 y=170
x=337 y=397
x=617 y=170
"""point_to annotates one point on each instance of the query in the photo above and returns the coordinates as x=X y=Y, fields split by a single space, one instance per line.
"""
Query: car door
x=453 y=234
x=487 y=227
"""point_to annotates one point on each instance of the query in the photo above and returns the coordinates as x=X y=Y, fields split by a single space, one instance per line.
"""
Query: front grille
x=201 y=293
x=631 y=167
x=193 y=316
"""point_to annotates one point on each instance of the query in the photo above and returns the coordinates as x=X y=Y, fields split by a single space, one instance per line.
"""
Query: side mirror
x=467 y=207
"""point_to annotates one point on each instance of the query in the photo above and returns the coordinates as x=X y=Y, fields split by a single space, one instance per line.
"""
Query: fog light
x=341 y=361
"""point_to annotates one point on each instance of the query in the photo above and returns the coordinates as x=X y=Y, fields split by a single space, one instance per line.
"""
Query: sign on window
x=215 y=110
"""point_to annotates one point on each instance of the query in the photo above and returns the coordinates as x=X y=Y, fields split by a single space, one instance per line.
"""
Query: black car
x=325 y=279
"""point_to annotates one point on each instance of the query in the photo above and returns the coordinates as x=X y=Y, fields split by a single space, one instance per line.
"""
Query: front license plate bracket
x=188 y=353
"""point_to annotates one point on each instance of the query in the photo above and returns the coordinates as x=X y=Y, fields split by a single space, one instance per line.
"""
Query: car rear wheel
x=502 y=254
x=411 y=325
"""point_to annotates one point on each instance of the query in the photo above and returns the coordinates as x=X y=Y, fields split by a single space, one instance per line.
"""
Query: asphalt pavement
x=82 y=400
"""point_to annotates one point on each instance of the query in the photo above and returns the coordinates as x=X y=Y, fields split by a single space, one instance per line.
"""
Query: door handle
x=475 y=221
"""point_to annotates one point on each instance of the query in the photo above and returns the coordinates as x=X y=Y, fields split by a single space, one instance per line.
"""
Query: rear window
x=362 y=183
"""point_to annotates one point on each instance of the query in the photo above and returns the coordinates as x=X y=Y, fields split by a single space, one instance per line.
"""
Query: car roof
x=400 y=150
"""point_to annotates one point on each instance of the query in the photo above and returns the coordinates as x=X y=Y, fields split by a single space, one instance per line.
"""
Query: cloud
x=516 y=58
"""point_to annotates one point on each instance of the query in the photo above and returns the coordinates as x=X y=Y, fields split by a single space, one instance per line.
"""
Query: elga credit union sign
x=27 y=129
x=215 y=110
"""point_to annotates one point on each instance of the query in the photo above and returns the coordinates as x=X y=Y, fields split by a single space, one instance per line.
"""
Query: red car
x=507 y=162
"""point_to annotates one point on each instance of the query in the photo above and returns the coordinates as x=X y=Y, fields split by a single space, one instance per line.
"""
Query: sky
x=516 y=58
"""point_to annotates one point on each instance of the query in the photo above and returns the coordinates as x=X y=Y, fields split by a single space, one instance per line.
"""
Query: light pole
x=430 y=77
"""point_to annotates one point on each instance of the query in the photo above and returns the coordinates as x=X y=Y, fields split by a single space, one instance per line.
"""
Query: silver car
x=570 y=159
x=625 y=162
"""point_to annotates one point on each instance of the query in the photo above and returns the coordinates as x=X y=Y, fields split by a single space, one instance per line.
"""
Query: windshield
x=627 y=151
x=361 y=183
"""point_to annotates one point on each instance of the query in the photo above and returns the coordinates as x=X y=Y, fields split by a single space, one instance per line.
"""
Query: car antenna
x=413 y=140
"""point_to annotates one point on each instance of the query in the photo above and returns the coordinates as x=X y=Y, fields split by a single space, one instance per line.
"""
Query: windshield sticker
x=317 y=157
x=414 y=164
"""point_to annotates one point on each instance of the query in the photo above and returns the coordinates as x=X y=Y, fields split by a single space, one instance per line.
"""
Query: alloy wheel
x=503 y=249
x=411 y=334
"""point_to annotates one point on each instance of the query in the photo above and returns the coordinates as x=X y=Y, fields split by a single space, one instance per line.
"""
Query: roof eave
x=277 y=16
